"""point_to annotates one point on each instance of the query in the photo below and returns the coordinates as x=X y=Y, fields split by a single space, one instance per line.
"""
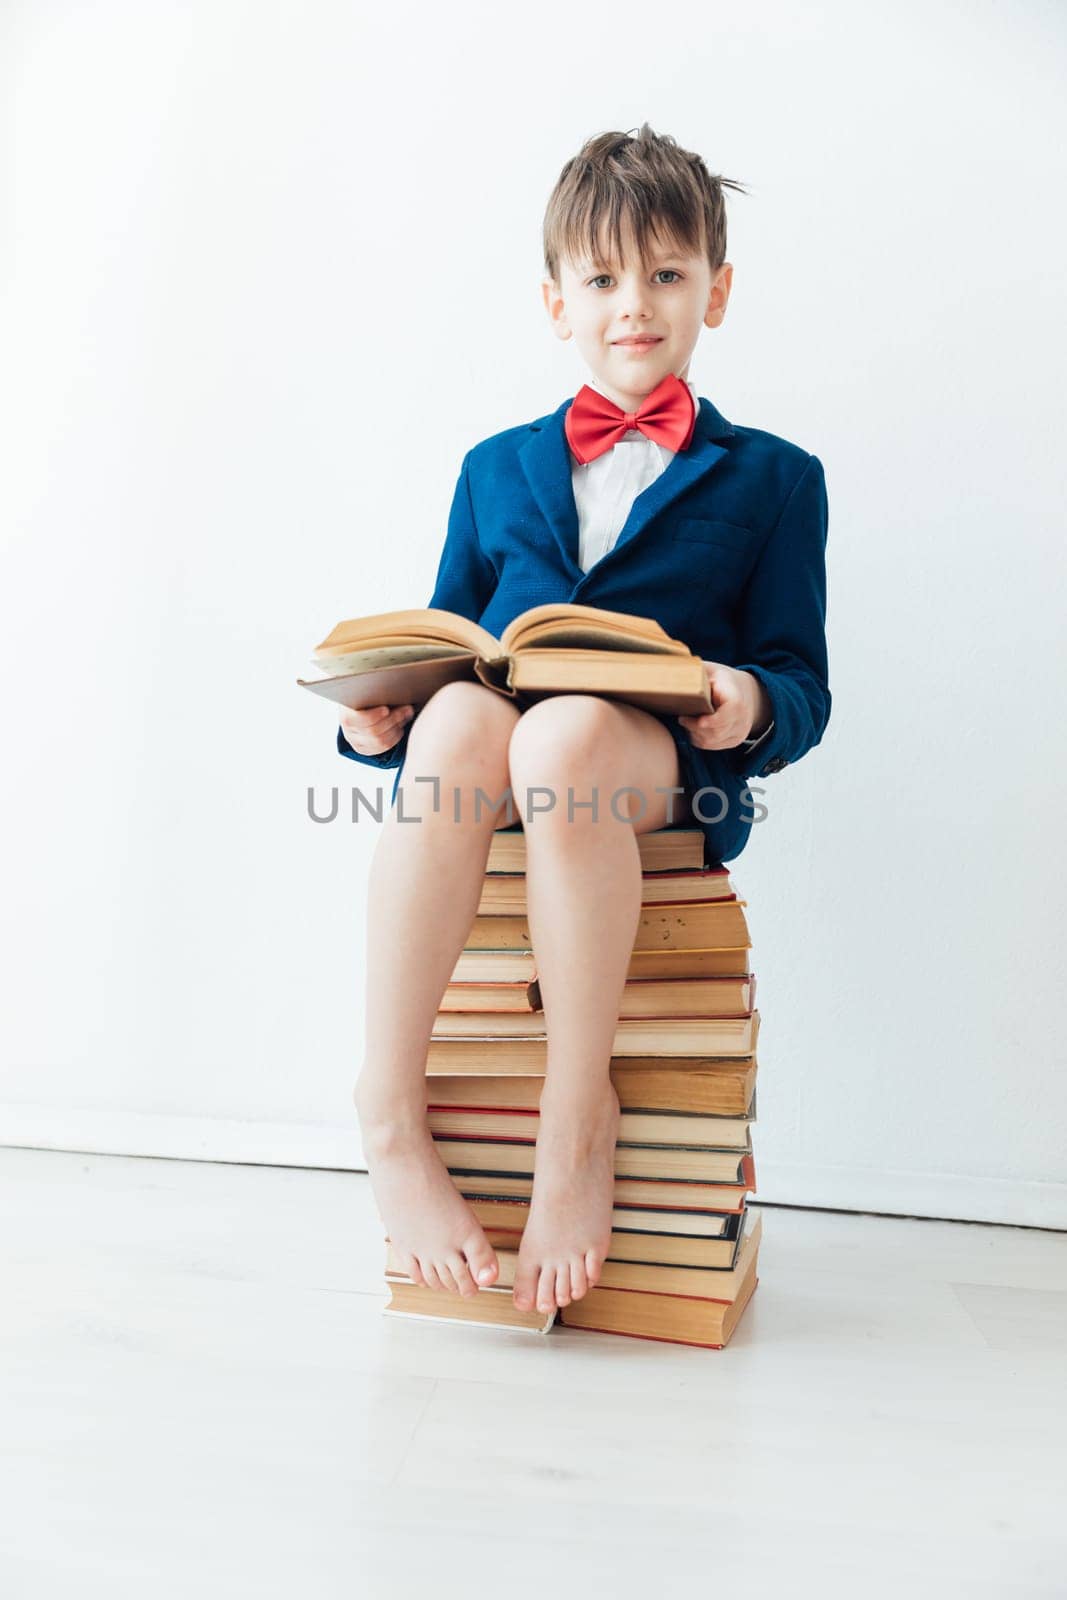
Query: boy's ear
x=554 y=305
x=555 y=308
x=720 y=293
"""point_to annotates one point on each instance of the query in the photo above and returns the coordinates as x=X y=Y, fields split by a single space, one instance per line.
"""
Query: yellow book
x=403 y=657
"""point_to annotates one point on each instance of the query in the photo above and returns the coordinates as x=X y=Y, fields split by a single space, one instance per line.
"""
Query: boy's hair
x=662 y=189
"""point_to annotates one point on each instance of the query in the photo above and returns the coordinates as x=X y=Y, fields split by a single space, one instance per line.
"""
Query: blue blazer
x=726 y=549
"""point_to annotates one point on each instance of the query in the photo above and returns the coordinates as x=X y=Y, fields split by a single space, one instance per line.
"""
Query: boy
x=635 y=496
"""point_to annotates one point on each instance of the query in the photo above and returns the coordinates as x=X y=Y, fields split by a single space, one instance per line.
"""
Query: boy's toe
x=525 y=1286
x=447 y=1280
x=563 y=1285
x=592 y=1266
x=579 y=1281
x=462 y=1275
x=481 y=1257
x=546 y=1289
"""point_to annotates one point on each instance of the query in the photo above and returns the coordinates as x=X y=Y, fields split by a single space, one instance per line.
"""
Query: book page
x=390 y=655
x=589 y=626
x=424 y=623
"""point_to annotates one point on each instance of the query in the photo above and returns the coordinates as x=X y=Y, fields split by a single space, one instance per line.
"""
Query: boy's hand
x=741 y=703
x=375 y=729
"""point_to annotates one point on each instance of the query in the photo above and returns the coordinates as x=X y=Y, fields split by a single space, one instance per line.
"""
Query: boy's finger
x=367 y=716
x=383 y=724
x=393 y=726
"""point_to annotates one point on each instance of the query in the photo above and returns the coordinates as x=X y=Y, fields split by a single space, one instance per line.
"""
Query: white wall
x=239 y=241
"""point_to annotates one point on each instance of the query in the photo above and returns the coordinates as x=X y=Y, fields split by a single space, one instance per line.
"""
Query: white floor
x=199 y=1393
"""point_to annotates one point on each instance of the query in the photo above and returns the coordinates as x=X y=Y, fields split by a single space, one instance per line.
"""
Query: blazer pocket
x=727 y=535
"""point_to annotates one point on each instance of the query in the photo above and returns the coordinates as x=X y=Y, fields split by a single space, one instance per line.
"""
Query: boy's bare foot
x=568 y=1232
x=426 y=1218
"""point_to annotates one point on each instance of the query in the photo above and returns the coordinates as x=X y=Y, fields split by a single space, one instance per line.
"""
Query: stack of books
x=682 y=1261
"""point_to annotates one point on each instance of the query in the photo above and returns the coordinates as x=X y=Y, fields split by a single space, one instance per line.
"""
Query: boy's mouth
x=644 y=342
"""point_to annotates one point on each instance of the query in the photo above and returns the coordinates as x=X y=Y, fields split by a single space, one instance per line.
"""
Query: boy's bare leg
x=583 y=891
x=425 y=883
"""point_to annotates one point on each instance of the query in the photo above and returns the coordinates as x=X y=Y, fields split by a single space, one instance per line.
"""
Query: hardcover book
x=403 y=657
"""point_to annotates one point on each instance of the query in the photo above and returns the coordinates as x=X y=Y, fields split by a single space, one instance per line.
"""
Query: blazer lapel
x=546 y=461
x=686 y=469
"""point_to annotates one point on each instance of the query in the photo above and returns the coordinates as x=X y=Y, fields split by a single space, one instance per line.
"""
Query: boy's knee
x=565 y=735
x=460 y=739
x=464 y=719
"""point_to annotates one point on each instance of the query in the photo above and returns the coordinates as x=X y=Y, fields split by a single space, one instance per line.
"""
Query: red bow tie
x=593 y=423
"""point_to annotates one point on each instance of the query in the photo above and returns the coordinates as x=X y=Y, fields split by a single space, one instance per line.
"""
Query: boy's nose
x=635 y=305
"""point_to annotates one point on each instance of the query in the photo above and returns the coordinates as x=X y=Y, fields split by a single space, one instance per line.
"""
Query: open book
x=403 y=657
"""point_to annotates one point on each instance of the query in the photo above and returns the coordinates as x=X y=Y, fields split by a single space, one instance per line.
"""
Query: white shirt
x=605 y=489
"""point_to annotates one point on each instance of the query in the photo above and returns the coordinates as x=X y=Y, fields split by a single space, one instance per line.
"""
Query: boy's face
x=606 y=306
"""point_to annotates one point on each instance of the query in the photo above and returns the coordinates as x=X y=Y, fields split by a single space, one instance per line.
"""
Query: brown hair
x=663 y=190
